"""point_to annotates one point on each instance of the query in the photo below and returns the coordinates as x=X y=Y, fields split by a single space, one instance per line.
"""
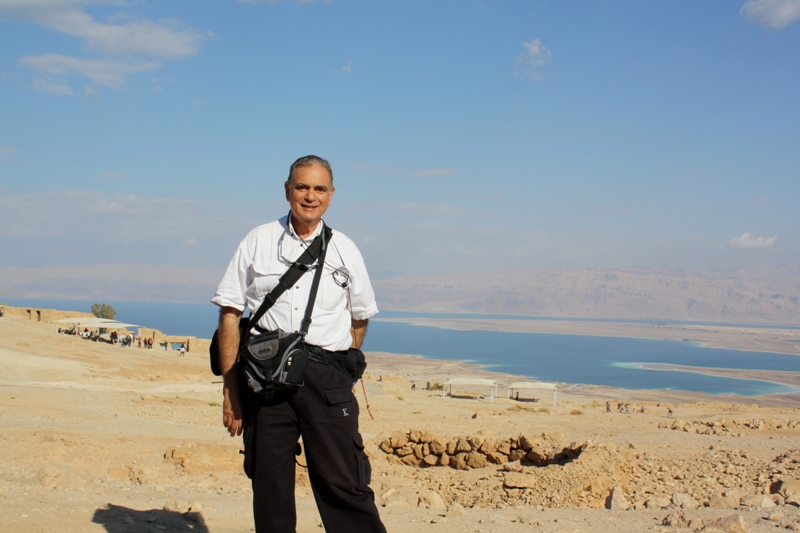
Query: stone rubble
x=550 y=471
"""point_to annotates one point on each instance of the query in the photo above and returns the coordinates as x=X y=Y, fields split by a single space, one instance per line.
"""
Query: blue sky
x=463 y=135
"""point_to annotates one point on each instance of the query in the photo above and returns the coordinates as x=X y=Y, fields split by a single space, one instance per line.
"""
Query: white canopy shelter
x=518 y=385
x=94 y=322
x=481 y=382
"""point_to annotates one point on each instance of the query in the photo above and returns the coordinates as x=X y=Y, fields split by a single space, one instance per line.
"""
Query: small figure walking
x=413 y=385
x=608 y=406
x=669 y=413
x=182 y=350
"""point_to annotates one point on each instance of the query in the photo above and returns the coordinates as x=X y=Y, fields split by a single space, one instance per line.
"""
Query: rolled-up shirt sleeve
x=362 y=297
x=231 y=290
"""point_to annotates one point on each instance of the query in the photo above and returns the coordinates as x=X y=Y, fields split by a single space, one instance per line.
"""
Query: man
x=324 y=410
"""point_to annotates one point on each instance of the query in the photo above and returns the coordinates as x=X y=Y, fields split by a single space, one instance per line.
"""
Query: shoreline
x=421 y=369
x=757 y=339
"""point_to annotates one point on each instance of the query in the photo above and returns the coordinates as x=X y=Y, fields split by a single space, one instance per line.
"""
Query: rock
x=398 y=439
x=497 y=458
x=175 y=506
x=451 y=446
x=410 y=460
x=430 y=460
x=684 y=501
x=514 y=480
x=430 y=499
x=459 y=461
x=438 y=446
x=456 y=509
x=724 y=501
x=393 y=459
x=419 y=451
x=788 y=487
x=657 y=502
x=516 y=455
x=758 y=500
x=504 y=447
x=476 y=460
x=444 y=460
x=732 y=524
x=675 y=520
x=475 y=442
x=427 y=437
x=616 y=501
x=777 y=516
x=408 y=449
x=414 y=435
x=488 y=447
x=463 y=446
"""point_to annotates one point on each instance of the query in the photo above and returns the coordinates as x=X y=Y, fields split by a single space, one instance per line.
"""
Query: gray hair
x=307 y=161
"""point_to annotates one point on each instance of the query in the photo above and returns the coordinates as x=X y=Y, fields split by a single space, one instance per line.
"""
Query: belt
x=320 y=355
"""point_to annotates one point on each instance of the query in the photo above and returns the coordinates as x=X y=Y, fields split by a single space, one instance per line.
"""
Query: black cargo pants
x=325 y=412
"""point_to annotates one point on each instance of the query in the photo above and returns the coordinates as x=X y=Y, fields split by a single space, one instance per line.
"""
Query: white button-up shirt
x=265 y=254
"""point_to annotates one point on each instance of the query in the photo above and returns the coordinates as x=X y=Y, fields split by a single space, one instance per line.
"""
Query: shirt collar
x=290 y=229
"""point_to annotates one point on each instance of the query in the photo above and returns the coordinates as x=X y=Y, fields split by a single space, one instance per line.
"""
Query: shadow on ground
x=119 y=519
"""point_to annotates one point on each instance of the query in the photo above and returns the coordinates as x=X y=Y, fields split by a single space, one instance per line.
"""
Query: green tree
x=104 y=311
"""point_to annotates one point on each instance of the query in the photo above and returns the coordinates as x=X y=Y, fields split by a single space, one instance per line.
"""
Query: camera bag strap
x=315 y=253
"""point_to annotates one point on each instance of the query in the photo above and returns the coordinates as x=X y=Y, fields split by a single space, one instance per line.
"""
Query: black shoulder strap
x=314 y=253
x=312 y=296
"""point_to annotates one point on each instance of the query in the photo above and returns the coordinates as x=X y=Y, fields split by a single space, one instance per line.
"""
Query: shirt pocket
x=331 y=295
x=264 y=283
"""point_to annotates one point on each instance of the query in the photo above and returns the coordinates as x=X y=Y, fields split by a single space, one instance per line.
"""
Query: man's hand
x=228 y=351
x=232 y=410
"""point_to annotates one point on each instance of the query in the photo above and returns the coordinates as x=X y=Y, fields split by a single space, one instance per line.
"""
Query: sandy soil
x=103 y=438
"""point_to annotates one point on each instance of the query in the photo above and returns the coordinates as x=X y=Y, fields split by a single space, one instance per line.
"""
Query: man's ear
x=287 y=188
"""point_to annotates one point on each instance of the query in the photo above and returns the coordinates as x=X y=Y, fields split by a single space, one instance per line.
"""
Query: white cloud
x=191 y=242
x=746 y=240
x=771 y=13
x=137 y=43
x=45 y=86
x=135 y=35
x=531 y=61
x=107 y=73
x=348 y=68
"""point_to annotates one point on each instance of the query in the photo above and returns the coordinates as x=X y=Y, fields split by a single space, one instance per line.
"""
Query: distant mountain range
x=745 y=295
x=756 y=294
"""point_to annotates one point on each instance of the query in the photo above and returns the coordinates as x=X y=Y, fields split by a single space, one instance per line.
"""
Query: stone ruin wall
x=51 y=316
x=36 y=314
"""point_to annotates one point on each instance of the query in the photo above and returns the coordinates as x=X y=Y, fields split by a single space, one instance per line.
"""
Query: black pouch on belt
x=273 y=360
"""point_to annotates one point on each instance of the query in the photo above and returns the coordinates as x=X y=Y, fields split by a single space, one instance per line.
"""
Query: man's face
x=309 y=194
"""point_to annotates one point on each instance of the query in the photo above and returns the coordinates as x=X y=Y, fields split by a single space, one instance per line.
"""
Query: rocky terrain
x=744 y=295
x=755 y=295
x=104 y=438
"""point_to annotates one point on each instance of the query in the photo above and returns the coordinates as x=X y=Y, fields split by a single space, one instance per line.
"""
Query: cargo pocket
x=342 y=406
x=364 y=468
x=248 y=436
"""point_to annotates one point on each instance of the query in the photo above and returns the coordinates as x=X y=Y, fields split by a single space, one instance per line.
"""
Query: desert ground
x=104 y=438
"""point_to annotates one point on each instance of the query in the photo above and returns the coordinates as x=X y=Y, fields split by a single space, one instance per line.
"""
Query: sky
x=463 y=135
